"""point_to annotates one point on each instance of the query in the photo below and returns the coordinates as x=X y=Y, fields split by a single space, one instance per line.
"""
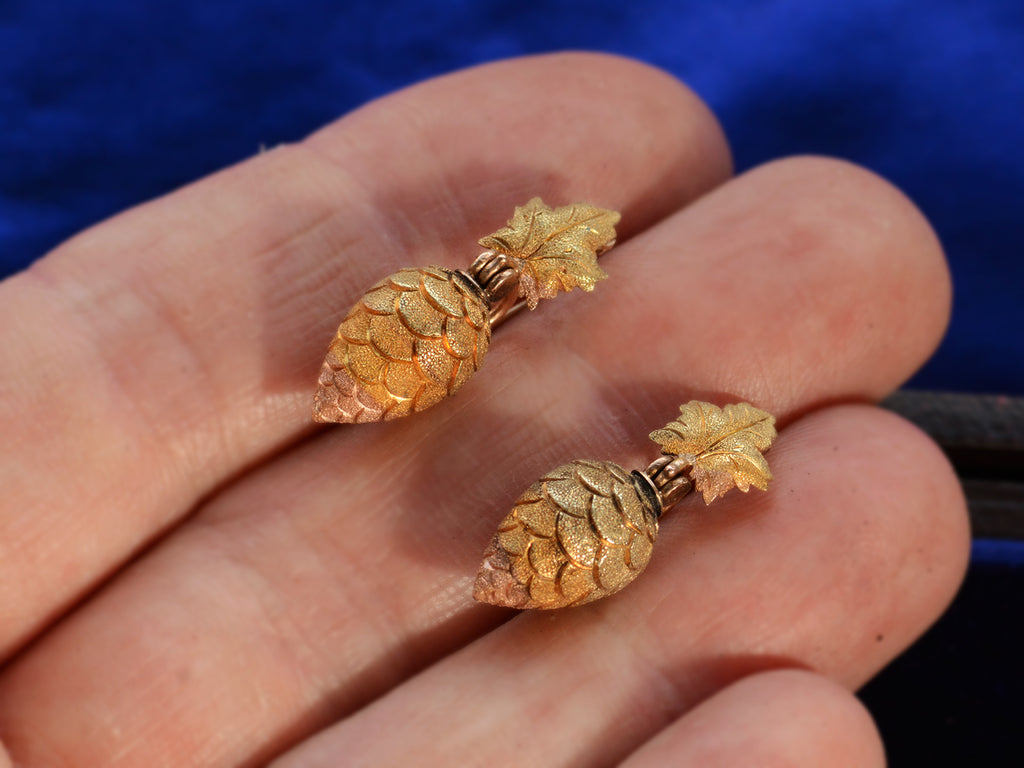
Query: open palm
x=194 y=575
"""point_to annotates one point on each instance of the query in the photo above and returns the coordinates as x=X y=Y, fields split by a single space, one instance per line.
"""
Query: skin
x=191 y=574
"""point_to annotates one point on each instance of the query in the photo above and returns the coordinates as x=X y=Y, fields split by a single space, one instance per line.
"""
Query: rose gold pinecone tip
x=334 y=403
x=495 y=584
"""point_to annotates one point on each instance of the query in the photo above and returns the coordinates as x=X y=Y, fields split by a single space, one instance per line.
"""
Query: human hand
x=194 y=576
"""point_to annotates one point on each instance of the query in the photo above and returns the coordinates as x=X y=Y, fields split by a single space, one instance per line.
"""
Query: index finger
x=164 y=351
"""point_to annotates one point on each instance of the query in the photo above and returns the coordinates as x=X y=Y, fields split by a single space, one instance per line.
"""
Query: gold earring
x=586 y=529
x=415 y=337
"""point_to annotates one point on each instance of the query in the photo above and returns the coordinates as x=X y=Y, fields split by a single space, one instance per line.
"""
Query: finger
x=787 y=717
x=159 y=353
x=825 y=571
x=787 y=287
x=348 y=564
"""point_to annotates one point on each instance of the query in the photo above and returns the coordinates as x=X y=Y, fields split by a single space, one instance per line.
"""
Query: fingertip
x=939 y=517
x=853 y=222
x=783 y=717
x=667 y=101
x=897 y=508
x=655 y=145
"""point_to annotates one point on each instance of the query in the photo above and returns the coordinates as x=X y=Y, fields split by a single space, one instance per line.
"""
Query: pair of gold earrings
x=586 y=529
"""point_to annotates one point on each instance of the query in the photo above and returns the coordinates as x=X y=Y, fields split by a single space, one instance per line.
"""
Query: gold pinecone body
x=580 y=533
x=412 y=339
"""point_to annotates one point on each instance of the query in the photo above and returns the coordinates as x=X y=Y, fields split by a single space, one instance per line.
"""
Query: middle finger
x=335 y=573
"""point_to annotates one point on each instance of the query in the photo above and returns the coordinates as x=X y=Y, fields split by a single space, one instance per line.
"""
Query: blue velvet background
x=103 y=105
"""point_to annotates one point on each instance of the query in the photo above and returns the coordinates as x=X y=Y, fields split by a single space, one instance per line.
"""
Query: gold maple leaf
x=557 y=248
x=723 y=445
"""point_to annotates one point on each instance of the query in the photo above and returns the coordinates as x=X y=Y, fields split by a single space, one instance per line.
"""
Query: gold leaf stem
x=497 y=276
x=670 y=479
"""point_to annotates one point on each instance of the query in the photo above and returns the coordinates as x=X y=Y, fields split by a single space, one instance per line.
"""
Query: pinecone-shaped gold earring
x=415 y=337
x=586 y=529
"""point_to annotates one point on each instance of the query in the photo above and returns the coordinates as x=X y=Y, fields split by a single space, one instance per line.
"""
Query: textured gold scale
x=412 y=339
x=576 y=535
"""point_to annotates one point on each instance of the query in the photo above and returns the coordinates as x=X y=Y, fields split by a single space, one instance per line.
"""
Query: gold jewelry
x=586 y=529
x=415 y=337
